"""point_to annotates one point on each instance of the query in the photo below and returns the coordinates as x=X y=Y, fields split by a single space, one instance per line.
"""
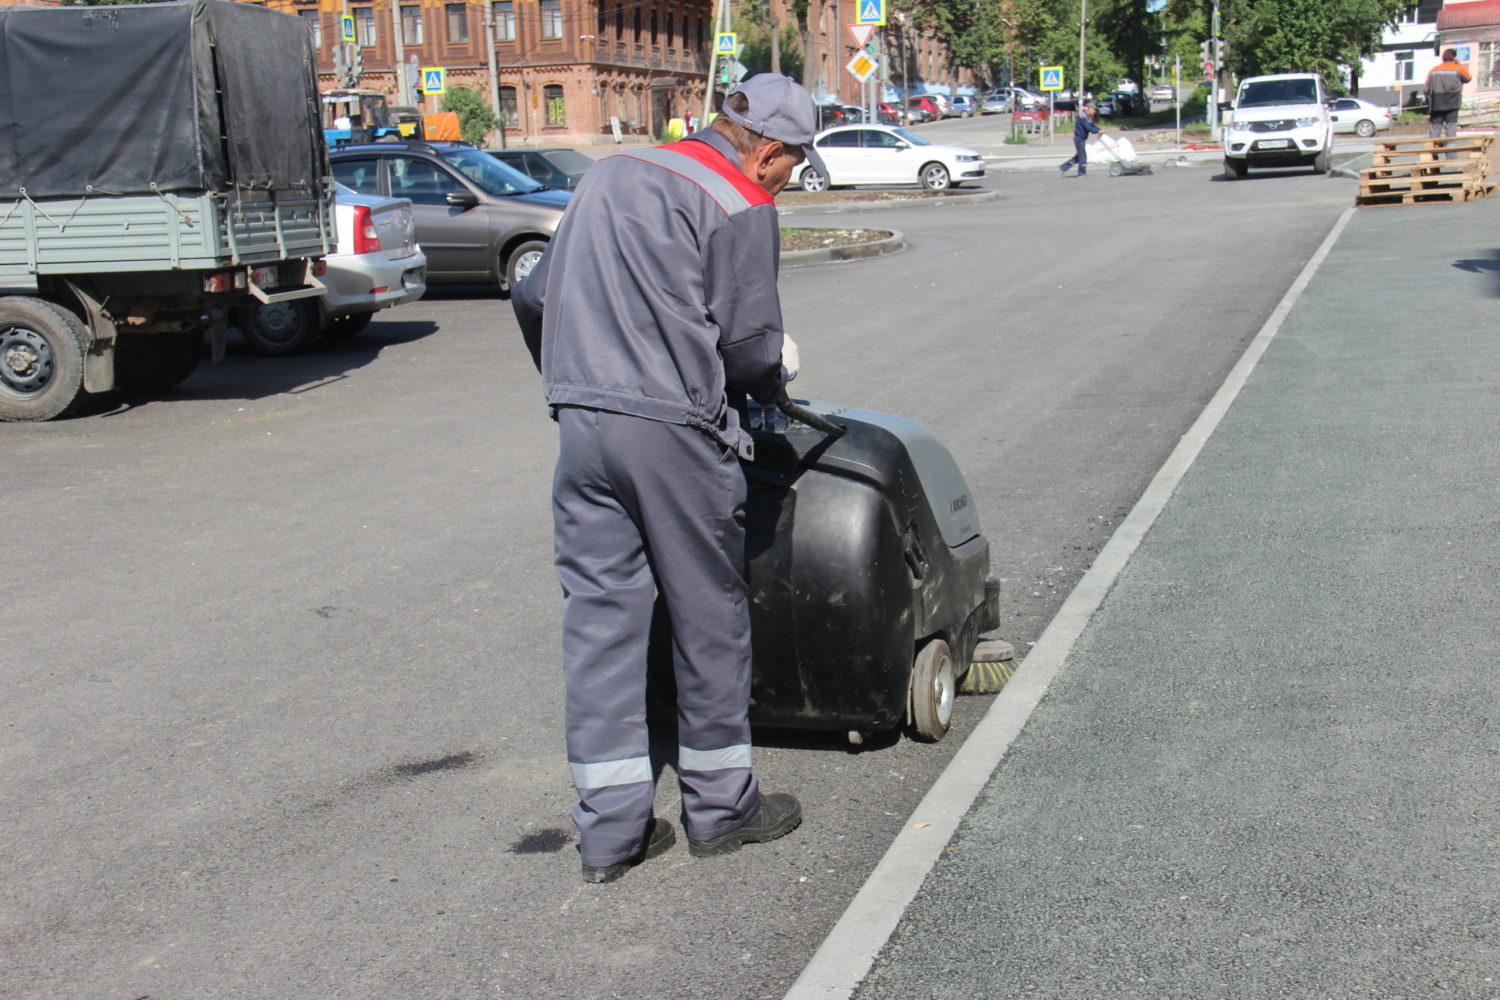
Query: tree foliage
x=475 y=119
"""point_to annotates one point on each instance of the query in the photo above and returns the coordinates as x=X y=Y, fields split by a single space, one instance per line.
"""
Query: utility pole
x=1083 y=20
x=489 y=50
x=1213 y=78
x=400 y=51
x=721 y=23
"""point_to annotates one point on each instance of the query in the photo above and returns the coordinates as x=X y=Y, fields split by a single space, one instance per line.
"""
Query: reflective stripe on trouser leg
x=607 y=598
x=687 y=494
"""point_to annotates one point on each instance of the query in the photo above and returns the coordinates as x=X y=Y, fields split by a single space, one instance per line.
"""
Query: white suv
x=1278 y=121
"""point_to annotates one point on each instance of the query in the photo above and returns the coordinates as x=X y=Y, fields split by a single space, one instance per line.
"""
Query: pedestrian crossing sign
x=346 y=28
x=434 y=80
x=1052 y=78
x=870 y=12
x=725 y=43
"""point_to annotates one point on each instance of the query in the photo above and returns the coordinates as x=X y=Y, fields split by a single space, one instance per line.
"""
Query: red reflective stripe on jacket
x=716 y=161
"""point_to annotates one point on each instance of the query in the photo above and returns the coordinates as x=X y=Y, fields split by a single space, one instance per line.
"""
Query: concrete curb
x=893 y=243
x=869 y=206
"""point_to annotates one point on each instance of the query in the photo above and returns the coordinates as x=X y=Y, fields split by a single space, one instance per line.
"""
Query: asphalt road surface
x=280 y=651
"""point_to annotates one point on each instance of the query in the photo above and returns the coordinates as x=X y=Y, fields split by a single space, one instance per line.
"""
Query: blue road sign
x=1052 y=77
x=870 y=12
x=434 y=80
x=725 y=43
x=346 y=28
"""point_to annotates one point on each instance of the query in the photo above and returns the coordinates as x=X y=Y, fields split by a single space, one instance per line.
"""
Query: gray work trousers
x=642 y=507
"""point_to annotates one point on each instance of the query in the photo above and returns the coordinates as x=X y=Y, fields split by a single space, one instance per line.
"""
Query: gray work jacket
x=657 y=297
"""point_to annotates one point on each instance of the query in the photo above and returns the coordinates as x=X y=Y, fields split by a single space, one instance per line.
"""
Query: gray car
x=377 y=264
x=477 y=219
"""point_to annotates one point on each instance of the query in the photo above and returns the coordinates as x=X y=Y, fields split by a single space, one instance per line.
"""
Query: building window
x=458 y=23
x=637 y=17
x=411 y=25
x=364 y=26
x=671 y=25
x=314 y=26
x=557 y=110
x=551 y=18
x=505 y=20
x=1406 y=66
x=655 y=28
x=508 y=106
x=619 y=24
x=1488 y=76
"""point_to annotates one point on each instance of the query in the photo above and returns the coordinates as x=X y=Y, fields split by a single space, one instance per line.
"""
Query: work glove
x=790 y=361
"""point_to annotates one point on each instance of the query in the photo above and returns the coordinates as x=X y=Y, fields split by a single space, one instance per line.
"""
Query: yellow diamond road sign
x=862 y=65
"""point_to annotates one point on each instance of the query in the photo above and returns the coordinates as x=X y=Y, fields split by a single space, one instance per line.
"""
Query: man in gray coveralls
x=652 y=315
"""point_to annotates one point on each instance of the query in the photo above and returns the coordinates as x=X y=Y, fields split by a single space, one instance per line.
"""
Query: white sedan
x=1350 y=114
x=884 y=154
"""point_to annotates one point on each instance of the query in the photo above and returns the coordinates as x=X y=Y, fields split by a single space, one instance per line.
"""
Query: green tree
x=754 y=31
x=475 y=118
x=1302 y=36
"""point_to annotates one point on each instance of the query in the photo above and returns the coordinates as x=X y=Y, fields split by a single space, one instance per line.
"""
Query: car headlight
x=969 y=159
x=1306 y=122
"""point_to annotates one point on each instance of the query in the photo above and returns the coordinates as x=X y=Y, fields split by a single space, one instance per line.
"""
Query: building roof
x=1475 y=14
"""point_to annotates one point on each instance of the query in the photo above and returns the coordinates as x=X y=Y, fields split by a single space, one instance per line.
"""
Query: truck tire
x=145 y=362
x=279 y=328
x=41 y=358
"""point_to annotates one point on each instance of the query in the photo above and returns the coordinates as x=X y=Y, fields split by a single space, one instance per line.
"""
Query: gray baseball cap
x=780 y=109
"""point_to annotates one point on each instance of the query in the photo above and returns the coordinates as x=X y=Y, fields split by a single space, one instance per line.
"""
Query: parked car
x=925 y=106
x=1164 y=94
x=964 y=106
x=376 y=264
x=1030 y=113
x=556 y=168
x=1018 y=96
x=995 y=103
x=1350 y=114
x=476 y=218
x=880 y=154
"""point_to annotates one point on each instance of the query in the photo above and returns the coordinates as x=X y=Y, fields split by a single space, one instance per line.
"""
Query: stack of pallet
x=1412 y=171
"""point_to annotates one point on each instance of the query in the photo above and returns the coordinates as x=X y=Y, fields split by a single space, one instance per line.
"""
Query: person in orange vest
x=1445 y=93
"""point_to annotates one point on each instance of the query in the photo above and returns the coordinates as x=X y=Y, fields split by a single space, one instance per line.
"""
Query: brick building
x=565 y=68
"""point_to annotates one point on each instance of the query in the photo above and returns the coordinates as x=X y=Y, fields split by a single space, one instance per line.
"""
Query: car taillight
x=365 y=238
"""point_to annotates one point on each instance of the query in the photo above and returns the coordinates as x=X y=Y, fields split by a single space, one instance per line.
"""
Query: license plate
x=1273 y=144
x=410 y=280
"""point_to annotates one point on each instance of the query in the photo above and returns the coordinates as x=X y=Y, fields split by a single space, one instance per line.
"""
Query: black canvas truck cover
x=202 y=95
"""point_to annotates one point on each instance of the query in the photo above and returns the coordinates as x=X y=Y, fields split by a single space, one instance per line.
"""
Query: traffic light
x=356 y=67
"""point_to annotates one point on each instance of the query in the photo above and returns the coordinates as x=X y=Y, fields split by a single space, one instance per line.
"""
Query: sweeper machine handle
x=801 y=413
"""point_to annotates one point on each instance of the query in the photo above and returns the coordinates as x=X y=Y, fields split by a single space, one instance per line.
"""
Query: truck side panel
x=116 y=233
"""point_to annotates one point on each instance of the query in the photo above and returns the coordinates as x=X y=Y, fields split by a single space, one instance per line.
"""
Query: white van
x=1278 y=121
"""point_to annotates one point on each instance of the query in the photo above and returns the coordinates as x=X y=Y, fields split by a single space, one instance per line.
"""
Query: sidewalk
x=1265 y=744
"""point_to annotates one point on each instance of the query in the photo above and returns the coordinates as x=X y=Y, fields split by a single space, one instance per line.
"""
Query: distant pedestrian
x=1082 y=129
x=1445 y=94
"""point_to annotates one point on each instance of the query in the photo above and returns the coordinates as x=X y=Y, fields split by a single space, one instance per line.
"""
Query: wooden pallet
x=1394 y=152
x=1421 y=177
x=1426 y=196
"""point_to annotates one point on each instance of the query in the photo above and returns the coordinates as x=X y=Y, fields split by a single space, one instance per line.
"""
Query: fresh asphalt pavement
x=280 y=651
x=1267 y=768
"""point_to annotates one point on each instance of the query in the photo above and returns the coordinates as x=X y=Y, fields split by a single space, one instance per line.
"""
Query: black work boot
x=662 y=837
x=778 y=815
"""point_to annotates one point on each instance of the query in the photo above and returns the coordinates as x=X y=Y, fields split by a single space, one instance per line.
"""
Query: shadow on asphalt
x=243 y=374
x=1483 y=265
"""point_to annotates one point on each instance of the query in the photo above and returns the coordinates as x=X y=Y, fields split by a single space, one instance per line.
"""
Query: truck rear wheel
x=41 y=358
x=277 y=328
x=148 y=361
